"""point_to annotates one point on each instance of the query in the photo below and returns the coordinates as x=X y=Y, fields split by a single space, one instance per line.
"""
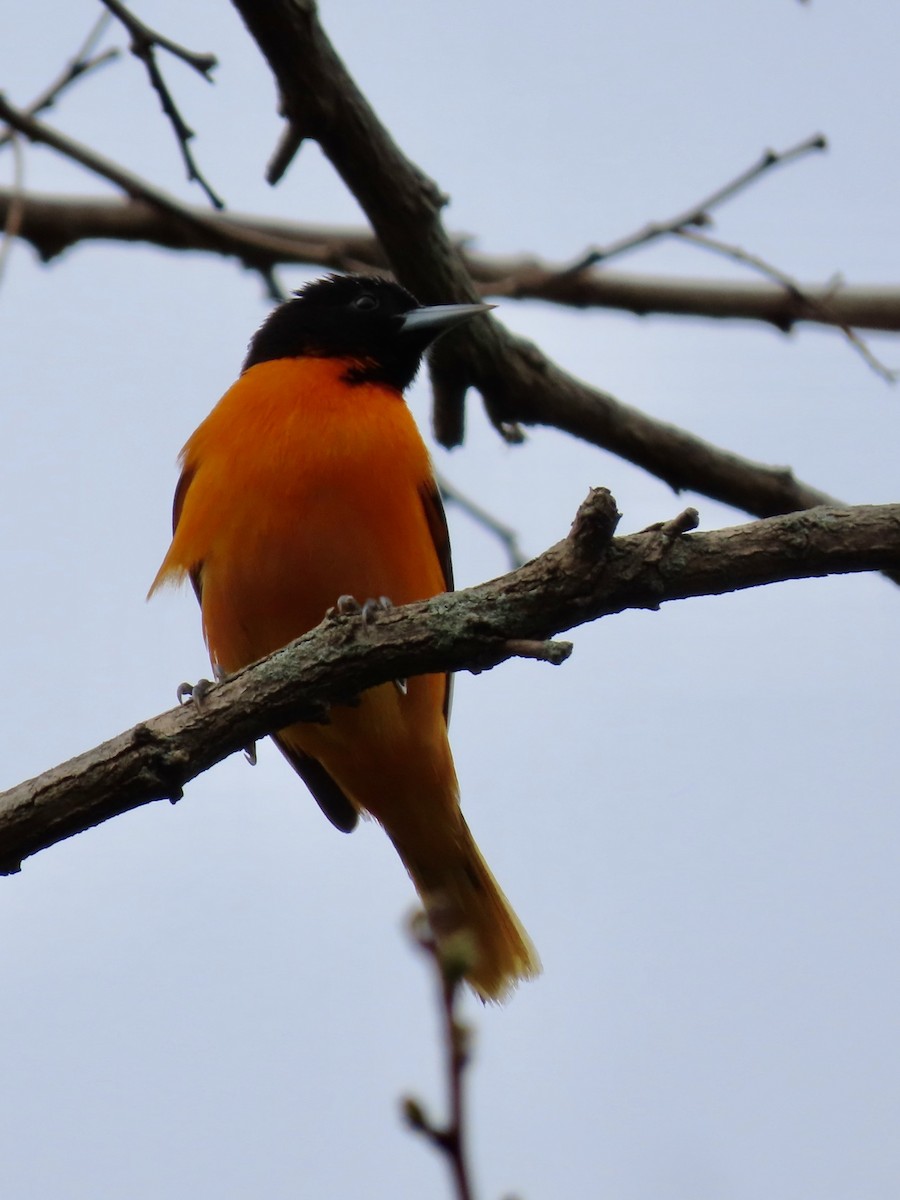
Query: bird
x=310 y=483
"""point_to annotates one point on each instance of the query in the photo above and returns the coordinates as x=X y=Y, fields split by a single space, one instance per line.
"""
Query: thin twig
x=14 y=213
x=793 y=288
x=144 y=43
x=449 y=1139
x=204 y=64
x=699 y=214
x=505 y=533
x=80 y=64
x=256 y=250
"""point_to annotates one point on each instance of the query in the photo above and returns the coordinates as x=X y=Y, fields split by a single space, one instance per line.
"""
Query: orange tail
x=461 y=896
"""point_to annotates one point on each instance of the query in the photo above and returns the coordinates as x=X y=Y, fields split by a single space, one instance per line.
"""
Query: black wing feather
x=437 y=523
x=340 y=811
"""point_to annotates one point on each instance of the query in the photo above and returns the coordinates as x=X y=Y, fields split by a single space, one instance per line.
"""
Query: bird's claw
x=198 y=691
x=372 y=608
x=369 y=610
x=349 y=606
x=195 y=692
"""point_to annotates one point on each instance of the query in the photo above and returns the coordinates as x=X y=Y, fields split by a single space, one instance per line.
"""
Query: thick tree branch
x=53 y=224
x=586 y=576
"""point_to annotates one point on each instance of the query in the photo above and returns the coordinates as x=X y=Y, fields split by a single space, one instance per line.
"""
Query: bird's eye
x=365 y=303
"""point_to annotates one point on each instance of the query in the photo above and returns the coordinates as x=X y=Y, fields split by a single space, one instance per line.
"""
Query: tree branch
x=792 y=288
x=505 y=534
x=698 y=215
x=586 y=576
x=81 y=63
x=144 y=44
x=450 y=960
x=255 y=250
x=15 y=210
x=53 y=224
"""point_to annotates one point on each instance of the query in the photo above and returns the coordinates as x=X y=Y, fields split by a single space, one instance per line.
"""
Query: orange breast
x=302 y=489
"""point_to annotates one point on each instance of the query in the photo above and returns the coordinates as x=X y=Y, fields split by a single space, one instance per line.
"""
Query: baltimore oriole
x=307 y=482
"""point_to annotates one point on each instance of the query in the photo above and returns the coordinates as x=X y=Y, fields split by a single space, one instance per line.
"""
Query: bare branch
x=860 y=306
x=254 y=249
x=203 y=64
x=507 y=536
x=698 y=215
x=12 y=218
x=82 y=63
x=792 y=287
x=144 y=43
x=450 y=960
x=54 y=223
x=586 y=576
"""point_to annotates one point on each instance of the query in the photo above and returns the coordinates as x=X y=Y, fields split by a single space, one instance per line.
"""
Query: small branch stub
x=685 y=521
x=550 y=652
x=594 y=524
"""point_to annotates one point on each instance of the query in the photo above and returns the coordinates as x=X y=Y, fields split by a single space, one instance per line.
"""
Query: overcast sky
x=696 y=817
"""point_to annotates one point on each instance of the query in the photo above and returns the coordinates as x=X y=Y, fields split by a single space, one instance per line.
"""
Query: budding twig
x=144 y=44
x=449 y=1139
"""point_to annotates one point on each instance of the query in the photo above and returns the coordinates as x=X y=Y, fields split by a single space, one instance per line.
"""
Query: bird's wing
x=341 y=812
x=437 y=523
x=184 y=482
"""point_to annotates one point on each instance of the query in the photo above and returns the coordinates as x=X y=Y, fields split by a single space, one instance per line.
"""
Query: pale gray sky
x=696 y=817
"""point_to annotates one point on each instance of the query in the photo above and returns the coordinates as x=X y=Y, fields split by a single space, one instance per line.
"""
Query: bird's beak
x=435 y=319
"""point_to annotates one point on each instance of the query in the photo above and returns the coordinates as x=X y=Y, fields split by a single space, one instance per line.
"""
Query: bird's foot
x=369 y=610
x=349 y=606
x=197 y=693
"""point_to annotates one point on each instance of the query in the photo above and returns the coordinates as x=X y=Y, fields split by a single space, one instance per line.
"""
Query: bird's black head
x=376 y=324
